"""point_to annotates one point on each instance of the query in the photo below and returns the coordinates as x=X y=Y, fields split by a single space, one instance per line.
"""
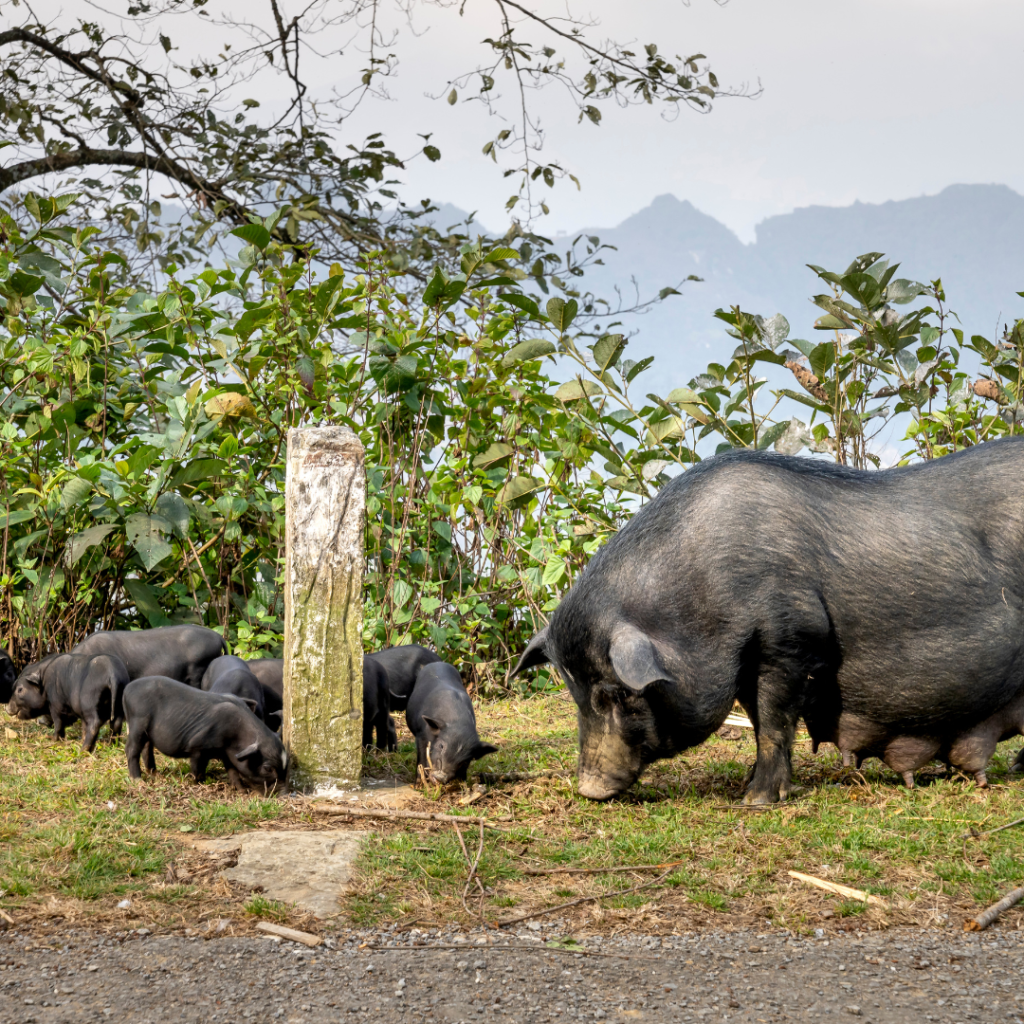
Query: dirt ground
x=895 y=977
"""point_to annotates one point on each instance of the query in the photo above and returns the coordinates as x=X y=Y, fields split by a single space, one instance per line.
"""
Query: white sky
x=863 y=99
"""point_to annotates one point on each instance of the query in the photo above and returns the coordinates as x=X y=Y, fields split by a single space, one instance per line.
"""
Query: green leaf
x=830 y=323
x=532 y=348
x=562 y=313
x=432 y=153
x=141 y=459
x=769 y=436
x=631 y=370
x=497 y=452
x=574 y=390
x=402 y=593
x=198 y=469
x=687 y=395
x=608 y=350
x=518 y=488
x=19 y=515
x=443 y=529
x=254 y=234
x=173 y=508
x=902 y=290
x=146 y=536
x=75 y=491
x=145 y=598
x=81 y=542
x=554 y=570
x=503 y=252
x=523 y=302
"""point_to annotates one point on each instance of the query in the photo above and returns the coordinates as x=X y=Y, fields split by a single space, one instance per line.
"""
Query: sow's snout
x=608 y=765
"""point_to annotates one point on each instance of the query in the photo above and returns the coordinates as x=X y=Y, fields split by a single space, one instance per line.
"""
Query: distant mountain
x=970 y=235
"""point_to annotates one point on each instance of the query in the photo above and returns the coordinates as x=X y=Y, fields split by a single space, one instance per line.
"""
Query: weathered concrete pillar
x=323 y=607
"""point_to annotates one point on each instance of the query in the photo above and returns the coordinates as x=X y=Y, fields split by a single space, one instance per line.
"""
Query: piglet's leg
x=133 y=748
x=199 y=763
x=90 y=732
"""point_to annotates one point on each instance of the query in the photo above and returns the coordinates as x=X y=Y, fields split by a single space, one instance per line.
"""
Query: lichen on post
x=325 y=507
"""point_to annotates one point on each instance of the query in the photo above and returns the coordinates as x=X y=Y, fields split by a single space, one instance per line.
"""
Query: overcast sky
x=862 y=99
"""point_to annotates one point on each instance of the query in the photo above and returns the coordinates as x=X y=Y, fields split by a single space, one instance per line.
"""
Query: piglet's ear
x=536 y=653
x=250 y=704
x=275 y=719
x=253 y=748
x=635 y=658
x=483 y=749
x=433 y=724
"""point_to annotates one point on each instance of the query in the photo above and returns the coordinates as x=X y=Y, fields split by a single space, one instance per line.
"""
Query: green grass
x=71 y=827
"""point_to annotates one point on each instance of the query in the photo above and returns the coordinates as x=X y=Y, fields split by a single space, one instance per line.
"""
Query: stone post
x=325 y=502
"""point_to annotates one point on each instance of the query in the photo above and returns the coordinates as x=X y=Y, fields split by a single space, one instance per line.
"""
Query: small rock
x=853 y=1010
x=479 y=965
x=534 y=926
x=143 y=931
x=93 y=967
x=124 y=904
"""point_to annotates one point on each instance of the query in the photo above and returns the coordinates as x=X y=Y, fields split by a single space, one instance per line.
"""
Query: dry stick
x=584 y=899
x=602 y=871
x=366 y=812
x=989 y=831
x=835 y=887
x=982 y=921
x=472 y=868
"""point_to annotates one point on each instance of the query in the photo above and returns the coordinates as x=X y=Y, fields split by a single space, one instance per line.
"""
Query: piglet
x=440 y=715
x=181 y=721
x=228 y=674
x=73 y=686
x=377 y=707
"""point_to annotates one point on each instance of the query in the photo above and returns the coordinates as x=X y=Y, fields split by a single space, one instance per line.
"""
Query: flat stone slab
x=308 y=869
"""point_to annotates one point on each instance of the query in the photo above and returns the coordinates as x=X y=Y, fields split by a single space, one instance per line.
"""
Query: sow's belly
x=940 y=675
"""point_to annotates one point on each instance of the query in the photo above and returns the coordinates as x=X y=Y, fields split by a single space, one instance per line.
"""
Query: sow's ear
x=536 y=653
x=248 y=752
x=634 y=658
x=483 y=749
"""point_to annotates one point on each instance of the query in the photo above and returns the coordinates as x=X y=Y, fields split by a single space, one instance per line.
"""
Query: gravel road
x=896 y=976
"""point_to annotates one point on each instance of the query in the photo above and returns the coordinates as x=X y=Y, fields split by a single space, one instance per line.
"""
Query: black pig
x=7 y=676
x=181 y=721
x=440 y=716
x=270 y=673
x=179 y=652
x=402 y=665
x=886 y=608
x=73 y=686
x=377 y=707
x=228 y=674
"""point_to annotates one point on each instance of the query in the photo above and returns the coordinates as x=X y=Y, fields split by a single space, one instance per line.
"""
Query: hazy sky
x=862 y=99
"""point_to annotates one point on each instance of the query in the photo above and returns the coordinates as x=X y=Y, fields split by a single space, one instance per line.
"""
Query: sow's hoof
x=773 y=793
x=1018 y=765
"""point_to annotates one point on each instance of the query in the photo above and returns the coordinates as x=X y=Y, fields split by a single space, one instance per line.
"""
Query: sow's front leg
x=775 y=715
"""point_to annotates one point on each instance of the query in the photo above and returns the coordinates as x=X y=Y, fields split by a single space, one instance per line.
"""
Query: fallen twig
x=601 y=871
x=289 y=933
x=472 y=869
x=7 y=917
x=982 y=921
x=583 y=899
x=990 y=831
x=839 y=890
x=388 y=813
